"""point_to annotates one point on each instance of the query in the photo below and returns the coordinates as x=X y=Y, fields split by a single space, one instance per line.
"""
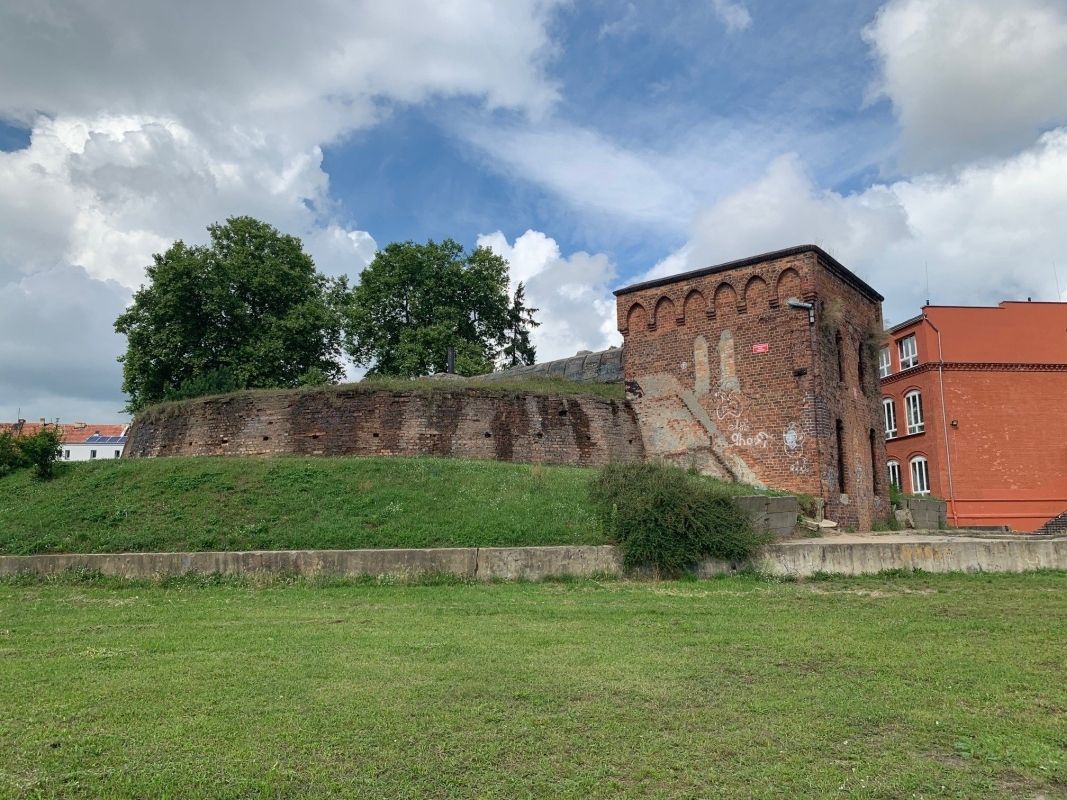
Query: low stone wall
x=925 y=513
x=466 y=423
x=776 y=515
x=797 y=559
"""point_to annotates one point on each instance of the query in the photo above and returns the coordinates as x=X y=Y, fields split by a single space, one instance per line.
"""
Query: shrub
x=41 y=451
x=11 y=457
x=666 y=519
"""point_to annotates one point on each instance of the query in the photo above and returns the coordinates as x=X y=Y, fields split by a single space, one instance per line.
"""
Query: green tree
x=248 y=310
x=414 y=301
x=518 y=350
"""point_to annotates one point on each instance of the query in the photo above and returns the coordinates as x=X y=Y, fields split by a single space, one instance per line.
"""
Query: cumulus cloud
x=988 y=232
x=971 y=80
x=150 y=121
x=58 y=346
x=732 y=14
x=572 y=294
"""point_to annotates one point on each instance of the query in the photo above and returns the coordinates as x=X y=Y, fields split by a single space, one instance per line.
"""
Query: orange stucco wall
x=1004 y=384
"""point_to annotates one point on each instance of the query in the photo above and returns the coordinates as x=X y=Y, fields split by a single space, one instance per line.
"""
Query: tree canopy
x=415 y=301
x=249 y=310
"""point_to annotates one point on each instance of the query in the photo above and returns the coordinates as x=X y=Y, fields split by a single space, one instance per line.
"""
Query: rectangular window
x=118 y=453
x=92 y=454
x=920 y=476
x=890 y=413
x=913 y=408
x=841 y=471
x=894 y=473
x=885 y=363
x=908 y=351
x=66 y=455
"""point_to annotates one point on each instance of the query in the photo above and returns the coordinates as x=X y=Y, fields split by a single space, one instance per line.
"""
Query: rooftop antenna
x=926 y=266
x=1056 y=275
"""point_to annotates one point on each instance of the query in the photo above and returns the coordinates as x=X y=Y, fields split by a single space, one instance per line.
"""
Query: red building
x=975 y=411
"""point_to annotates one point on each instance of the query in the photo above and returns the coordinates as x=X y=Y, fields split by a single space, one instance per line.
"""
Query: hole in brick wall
x=225 y=440
x=539 y=435
x=629 y=441
x=190 y=444
x=375 y=435
x=563 y=412
x=270 y=422
x=265 y=438
x=588 y=438
x=488 y=435
x=314 y=436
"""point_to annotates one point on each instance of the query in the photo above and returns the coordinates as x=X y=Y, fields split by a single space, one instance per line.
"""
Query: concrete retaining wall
x=846 y=555
x=487 y=563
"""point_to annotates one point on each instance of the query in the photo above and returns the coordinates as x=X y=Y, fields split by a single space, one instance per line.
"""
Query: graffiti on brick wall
x=730 y=414
x=793 y=443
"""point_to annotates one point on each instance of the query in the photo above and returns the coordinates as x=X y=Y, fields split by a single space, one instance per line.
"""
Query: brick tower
x=764 y=370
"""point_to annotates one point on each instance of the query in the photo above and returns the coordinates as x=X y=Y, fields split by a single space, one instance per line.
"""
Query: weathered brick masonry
x=726 y=376
x=467 y=423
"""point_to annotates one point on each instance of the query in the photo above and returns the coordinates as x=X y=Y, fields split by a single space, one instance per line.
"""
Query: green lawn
x=917 y=686
x=230 y=503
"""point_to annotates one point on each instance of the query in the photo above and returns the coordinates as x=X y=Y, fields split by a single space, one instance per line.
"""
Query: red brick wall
x=747 y=410
x=465 y=423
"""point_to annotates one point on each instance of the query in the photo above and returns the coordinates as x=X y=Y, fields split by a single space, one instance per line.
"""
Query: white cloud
x=732 y=14
x=572 y=294
x=151 y=121
x=58 y=346
x=974 y=79
x=988 y=232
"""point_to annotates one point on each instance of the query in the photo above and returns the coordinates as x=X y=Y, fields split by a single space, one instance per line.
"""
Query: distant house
x=87 y=442
x=82 y=441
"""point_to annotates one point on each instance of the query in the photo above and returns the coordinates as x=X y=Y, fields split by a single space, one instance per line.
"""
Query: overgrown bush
x=666 y=519
x=41 y=451
x=11 y=457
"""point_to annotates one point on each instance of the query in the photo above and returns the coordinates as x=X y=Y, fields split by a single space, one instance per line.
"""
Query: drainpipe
x=944 y=422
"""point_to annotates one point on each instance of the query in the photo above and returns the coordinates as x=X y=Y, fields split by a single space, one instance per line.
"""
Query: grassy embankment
x=918 y=686
x=230 y=503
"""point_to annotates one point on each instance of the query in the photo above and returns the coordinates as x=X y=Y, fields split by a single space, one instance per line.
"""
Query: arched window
x=894 y=474
x=913 y=412
x=920 y=475
x=889 y=412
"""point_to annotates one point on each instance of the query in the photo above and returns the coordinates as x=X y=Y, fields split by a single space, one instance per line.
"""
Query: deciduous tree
x=248 y=310
x=415 y=301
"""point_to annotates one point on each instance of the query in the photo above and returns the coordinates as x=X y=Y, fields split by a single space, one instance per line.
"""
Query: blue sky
x=590 y=143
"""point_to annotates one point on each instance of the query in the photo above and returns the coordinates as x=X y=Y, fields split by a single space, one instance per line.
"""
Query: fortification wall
x=463 y=423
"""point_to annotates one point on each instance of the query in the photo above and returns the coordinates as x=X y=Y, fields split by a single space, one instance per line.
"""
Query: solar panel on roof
x=97 y=438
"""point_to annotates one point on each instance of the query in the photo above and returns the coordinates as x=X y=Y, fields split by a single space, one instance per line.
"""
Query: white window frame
x=913 y=412
x=920 y=475
x=893 y=466
x=118 y=453
x=889 y=417
x=92 y=454
x=66 y=455
x=885 y=363
x=909 y=356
